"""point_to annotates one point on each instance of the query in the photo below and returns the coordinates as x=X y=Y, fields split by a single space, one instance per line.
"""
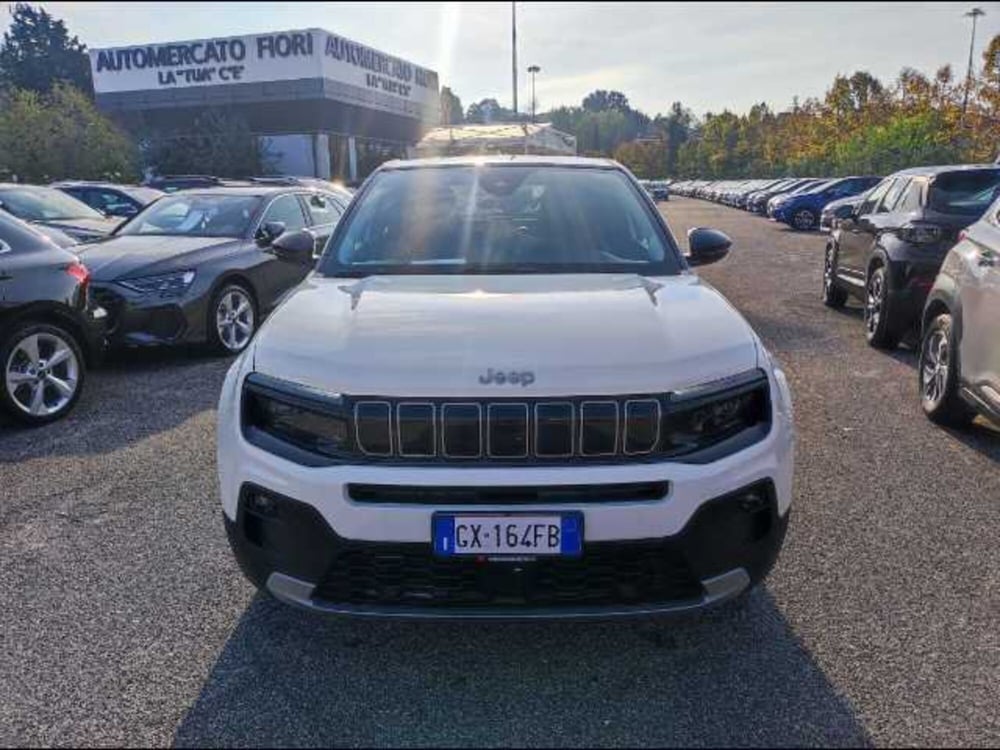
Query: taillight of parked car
x=920 y=234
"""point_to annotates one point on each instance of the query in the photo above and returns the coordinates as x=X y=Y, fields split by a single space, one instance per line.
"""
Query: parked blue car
x=802 y=210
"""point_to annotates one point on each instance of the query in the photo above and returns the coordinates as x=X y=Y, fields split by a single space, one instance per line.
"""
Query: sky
x=710 y=56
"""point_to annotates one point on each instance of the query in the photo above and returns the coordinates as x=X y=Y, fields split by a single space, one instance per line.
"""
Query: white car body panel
x=436 y=335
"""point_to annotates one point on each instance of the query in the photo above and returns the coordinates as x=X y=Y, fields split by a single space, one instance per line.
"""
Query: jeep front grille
x=584 y=429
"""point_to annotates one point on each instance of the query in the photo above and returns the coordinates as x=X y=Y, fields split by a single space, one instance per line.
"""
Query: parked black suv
x=49 y=331
x=888 y=252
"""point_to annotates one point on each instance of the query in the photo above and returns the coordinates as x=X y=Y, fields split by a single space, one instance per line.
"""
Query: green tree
x=37 y=52
x=219 y=142
x=61 y=135
x=487 y=111
x=646 y=159
x=451 y=108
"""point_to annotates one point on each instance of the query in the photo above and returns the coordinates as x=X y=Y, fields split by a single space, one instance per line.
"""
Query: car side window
x=287 y=210
x=323 y=209
x=892 y=196
x=875 y=197
x=107 y=201
x=910 y=200
x=81 y=195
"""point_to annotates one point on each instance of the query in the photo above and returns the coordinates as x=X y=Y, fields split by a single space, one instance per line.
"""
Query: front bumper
x=151 y=320
x=713 y=559
x=290 y=551
x=94 y=326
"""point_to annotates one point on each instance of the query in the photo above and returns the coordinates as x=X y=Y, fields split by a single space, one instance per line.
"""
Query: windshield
x=141 y=194
x=820 y=186
x=500 y=219
x=45 y=204
x=964 y=193
x=194 y=215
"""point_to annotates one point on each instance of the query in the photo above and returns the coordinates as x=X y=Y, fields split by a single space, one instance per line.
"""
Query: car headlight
x=708 y=415
x=166 y=285
x=294 y=415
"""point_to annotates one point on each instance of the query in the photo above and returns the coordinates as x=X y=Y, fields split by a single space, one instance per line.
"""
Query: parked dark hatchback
x=207 y=265
x=889 y=251
x=109 y=198
x=55 y=210
x=49 y=329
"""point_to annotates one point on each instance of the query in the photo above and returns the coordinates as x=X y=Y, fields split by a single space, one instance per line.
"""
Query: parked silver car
x=960 y=348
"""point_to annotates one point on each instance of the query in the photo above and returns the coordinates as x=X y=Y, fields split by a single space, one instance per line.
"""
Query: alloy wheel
x=828 y=271
x=803 y=219
x=42 y=374
x=234 y=319
x=874 y=300
x=936 y=358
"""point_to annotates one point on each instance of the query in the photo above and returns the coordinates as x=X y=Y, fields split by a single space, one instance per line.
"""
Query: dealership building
x=324 y=106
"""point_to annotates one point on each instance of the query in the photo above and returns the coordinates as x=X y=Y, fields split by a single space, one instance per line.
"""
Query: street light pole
x=513 y=39
x=974 y=14
x=533 y=69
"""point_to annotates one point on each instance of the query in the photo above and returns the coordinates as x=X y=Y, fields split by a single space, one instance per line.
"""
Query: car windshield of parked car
x=500 y=219
x=196 y=215
x=45 y=204
x=965 y=193
x=143 y=195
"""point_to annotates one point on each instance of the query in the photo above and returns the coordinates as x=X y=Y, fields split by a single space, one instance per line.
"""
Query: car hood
x=847 y=201
x=134 y=255
x=437 y=335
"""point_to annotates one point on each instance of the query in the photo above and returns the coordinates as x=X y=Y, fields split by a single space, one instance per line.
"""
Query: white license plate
x=515 y=534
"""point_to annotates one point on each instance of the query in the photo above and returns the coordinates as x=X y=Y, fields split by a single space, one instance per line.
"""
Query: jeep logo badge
x=495 y=377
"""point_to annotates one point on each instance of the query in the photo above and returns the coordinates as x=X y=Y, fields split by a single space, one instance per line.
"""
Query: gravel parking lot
x=124 y=620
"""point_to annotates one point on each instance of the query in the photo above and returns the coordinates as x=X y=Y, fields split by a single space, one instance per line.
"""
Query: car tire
x=833 y=296
x=938 y=372
x=804 y=219
x=879 y=330
x=33 y=389
x=232 y=319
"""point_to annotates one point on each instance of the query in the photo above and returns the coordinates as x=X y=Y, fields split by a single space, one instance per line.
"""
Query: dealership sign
x=360 y=74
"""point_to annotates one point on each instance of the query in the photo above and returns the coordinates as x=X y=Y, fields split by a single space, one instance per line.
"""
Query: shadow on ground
x=735 y=676
x=133 y=395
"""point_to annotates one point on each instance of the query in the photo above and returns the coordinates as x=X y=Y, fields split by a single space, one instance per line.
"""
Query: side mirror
x=707 y=246
x=270 y=231
x=295 y=247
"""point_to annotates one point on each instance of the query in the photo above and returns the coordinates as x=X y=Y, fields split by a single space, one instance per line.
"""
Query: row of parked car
x=920 y=249
x=192 y=265
x=800 y=202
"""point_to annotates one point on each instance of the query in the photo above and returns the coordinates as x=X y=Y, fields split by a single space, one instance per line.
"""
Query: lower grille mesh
x=606 y=574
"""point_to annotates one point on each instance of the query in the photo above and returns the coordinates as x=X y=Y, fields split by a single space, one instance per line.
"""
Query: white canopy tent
x=497 y=138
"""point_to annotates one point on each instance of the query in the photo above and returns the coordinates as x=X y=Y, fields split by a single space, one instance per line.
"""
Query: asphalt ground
x=124 y=620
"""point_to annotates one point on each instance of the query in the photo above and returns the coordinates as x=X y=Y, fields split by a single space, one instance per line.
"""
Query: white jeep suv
x=503 y=393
